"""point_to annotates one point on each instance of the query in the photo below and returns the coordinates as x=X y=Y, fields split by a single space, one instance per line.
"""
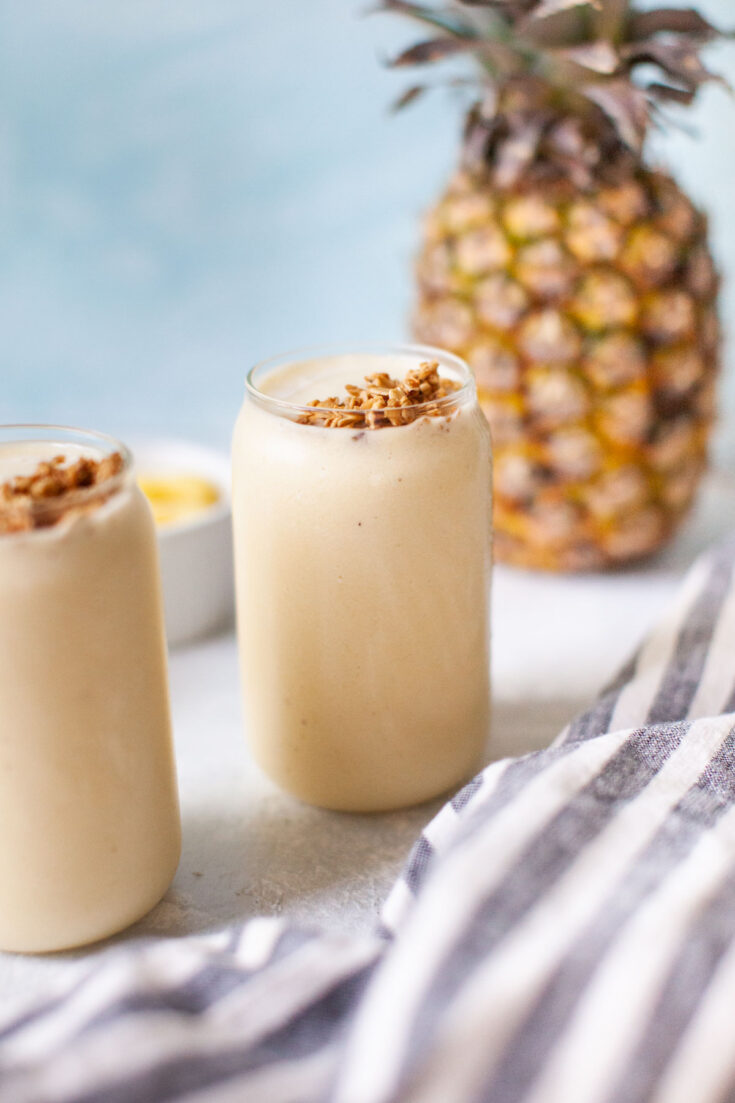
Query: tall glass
x=363 y=579
x=89 y=819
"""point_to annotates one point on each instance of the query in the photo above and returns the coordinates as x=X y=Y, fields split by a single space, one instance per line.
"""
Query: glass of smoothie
x=89 y=817
x=362 y=517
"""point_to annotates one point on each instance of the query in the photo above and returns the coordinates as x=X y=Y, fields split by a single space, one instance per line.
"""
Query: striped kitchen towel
x=564 y=932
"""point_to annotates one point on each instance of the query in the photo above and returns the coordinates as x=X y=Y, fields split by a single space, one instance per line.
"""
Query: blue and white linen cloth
x=564 y=932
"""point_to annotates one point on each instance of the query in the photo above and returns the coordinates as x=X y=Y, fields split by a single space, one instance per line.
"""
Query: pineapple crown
x=567 y=87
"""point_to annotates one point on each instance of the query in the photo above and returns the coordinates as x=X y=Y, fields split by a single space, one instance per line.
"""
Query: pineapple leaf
x=509 y=9
x=598 y=57
x=612 y=20
x=552 y=7
x=517 y=152
x=625 y=106
x=416 y=90
x=441 y=20
x=498 y=58
x=668 y=93
x=670 y=20
x=679 y=60
x=408 y=96
x=433 y=49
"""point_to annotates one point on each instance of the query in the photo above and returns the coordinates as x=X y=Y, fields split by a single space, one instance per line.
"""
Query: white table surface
x=251 y=850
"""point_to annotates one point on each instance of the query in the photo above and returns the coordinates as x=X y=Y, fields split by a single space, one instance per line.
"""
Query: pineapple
x=574 y=277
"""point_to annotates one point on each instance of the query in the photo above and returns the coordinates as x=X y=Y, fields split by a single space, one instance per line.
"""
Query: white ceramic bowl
x=196 y=553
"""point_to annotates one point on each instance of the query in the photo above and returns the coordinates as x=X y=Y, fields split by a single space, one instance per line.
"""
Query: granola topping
x=384 y=401
x=52 y=491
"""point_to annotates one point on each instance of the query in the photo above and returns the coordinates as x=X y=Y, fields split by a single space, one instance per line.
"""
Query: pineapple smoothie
x=89 y=820
x=363 y=555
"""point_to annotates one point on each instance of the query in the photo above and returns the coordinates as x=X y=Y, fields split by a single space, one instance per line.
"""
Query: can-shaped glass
x=89 y=815
x=363 y=561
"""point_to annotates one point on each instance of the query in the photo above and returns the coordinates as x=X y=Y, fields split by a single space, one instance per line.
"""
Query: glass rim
x=312 y=352
x=41 y=432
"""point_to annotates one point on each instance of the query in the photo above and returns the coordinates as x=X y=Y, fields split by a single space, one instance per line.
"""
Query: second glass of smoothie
x=363 y=556
x=89 y=816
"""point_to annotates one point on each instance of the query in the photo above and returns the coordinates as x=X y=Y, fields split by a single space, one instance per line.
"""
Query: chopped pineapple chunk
x=176 y=497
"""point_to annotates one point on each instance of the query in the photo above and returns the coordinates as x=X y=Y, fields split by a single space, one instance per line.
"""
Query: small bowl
x=195 y=552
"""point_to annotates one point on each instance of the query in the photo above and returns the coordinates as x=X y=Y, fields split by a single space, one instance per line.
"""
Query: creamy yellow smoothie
x=363 y=560
x=89 y=818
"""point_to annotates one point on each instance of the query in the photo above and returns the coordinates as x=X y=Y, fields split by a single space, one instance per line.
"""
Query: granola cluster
x=43 y=497
x=384 y=401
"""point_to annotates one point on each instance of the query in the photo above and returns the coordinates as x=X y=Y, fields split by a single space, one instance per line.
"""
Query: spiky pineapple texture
x=576 y=280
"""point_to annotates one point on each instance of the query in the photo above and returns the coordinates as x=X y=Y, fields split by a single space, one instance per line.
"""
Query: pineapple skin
x=590 y=321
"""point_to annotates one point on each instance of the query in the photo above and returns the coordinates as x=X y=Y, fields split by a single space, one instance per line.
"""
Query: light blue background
x=186 y=187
